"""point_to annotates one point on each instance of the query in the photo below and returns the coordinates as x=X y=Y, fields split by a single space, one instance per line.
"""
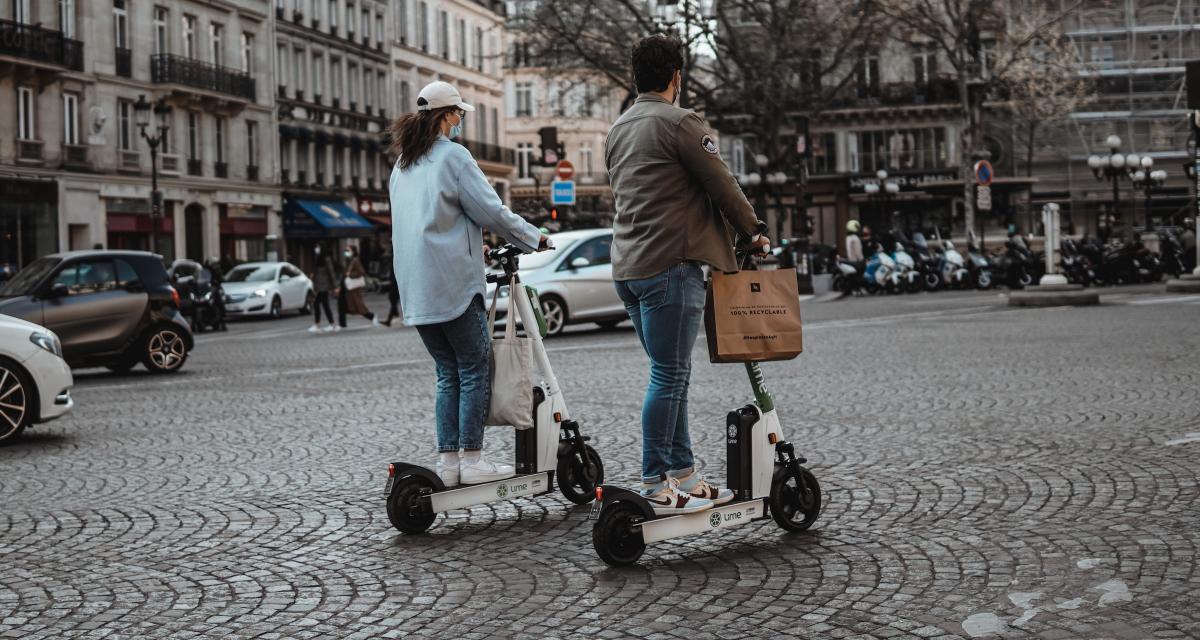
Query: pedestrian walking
x=675 y=199
x=350 y=292
x=324 y=278
x=440 y=200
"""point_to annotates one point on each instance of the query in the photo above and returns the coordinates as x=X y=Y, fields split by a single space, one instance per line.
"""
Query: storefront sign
x=911 y=181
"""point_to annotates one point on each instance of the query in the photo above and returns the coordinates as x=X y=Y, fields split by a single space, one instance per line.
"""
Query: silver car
x=574 y=281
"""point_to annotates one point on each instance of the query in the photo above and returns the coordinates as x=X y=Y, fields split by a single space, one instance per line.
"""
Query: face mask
x=456 y=130
x=347 y=254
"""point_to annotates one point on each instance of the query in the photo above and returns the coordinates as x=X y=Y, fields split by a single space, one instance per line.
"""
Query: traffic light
x=554 y=214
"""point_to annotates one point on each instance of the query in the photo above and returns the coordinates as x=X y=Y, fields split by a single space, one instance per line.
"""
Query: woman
x=324 y=279
x=351 y=297
x=440 y=201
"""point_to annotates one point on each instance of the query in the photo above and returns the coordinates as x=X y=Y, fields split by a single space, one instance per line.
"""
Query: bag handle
x=492 y=311
x=510 y=327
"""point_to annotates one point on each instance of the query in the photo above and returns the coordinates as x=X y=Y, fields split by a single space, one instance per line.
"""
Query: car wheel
x=554 y=310
x=309 y=298
x=164 y=350
x=276 y=307
x=17 y=400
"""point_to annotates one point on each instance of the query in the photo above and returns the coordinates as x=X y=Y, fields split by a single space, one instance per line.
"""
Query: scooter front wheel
x=795 y=502
x=404 y=508
x=575 y=481
x=614 y=536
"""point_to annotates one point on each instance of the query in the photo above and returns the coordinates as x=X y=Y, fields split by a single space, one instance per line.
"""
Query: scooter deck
x=725 y=516
x=475 y=494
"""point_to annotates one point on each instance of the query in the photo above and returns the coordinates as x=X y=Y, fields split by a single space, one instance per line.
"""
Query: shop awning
x=323 y=219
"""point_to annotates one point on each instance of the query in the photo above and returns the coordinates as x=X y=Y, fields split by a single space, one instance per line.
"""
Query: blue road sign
x=562 y=192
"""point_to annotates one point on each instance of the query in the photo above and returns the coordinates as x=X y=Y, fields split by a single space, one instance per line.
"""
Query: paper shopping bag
x=753 y=316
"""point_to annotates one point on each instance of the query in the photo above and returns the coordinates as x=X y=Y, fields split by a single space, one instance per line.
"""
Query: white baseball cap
x=437 y=95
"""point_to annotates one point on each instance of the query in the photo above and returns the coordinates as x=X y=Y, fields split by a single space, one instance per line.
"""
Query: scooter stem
x=761 y=396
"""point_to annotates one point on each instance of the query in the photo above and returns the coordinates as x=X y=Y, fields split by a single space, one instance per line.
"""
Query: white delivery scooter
x=764 y=474
x=553 y=450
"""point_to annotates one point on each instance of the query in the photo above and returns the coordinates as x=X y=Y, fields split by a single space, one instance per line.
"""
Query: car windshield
x=251 y=273
x=26 y=279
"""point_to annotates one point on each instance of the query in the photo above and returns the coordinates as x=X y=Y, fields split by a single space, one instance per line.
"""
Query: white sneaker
x=670 y=501
x=328 y=328
x=448 y=473
x=483 y=470
x=337 y=328
x=375 y=323
x=314 y=329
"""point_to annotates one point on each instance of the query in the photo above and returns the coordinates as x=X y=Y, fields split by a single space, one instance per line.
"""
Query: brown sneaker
x=696 y=486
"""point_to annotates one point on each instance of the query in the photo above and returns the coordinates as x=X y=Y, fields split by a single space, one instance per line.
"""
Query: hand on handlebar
x=544 y=243
x=760 y=245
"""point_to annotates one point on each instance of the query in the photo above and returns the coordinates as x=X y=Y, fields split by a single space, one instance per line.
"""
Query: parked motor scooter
x=906 y=267
x=952 y=267
x=926 y=263
x=979 y=268
x=880 y=274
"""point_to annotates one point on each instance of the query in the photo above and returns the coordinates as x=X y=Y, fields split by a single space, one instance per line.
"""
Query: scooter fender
x=399 y=470
x=613 y=494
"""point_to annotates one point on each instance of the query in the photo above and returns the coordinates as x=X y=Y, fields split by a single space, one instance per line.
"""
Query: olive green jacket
x=675 y=198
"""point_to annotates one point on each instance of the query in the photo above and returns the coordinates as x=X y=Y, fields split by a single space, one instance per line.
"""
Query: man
x=854 y=248
x=674 y=198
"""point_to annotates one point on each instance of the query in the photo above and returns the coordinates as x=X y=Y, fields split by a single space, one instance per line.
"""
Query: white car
x=266 y=289
x=35 y=381
x=574 y=281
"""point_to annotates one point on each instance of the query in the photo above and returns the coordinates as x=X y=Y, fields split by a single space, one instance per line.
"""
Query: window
x=120 y=22
x=299 y=77
x=352 y=77
x=350 y=19
x=248 y=53
x=319 y=163
x=987 y=55
x=898 y=149
x=365 y=25
x=21 y=11
x=355 y=163
x=126 y=275
x=220 y=134
x=70 y=118
x=216 y=42
x=281 y=67
x=368 y=88
x=444 y=34
x=524 y=159
x=868 y=77
x=82 y=278
x=737 y=157
x=462 y=41
x=378 y=27
x=333 y=15
x=524 y=99
x=25 y=111
x=423 y=25
x=585 y=158
x=318 y=73
x=479 y=48
x=193 y=136
x=161 y=15
x=66 y=17
x=251 y=143
x=495 y=125
x=1158 y=47
x=405 y=97
x=924 y=66
x=596 y=251
x=402 y=21
x=189 y=37
x=125 y=125
x=335 y=75
x=380 y=88
x=481 y=128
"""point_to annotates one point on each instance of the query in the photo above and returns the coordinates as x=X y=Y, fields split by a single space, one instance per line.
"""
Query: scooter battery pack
x=740 y=451
x=527 y=439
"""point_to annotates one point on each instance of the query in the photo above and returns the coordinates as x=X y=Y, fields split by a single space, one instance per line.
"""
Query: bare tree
x=986 y=43
x=753 y=67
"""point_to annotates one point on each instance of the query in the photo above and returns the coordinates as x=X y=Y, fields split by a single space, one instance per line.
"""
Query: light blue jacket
x=438 y=207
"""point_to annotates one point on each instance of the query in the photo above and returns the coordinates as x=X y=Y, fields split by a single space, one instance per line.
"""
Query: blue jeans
x=666 y=310
x=461 y=349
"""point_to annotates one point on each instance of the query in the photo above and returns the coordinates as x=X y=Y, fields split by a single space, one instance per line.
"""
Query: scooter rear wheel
x=404 y=508
x=795 y=506
x=572 y=476
x=613 y=536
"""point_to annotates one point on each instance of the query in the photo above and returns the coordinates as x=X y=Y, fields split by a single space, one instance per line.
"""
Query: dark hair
x=655 y=60
x=413 y=134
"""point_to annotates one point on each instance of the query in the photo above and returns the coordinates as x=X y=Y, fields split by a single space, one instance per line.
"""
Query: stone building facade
x=74 y=170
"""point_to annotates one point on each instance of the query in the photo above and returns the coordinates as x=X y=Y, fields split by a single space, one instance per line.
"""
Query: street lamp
x=162 y=112
x=1148 y=181
x=881 y=190
x=1113 y=167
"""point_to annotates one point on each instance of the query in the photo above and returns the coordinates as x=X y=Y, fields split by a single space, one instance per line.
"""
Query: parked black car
x=110 y=308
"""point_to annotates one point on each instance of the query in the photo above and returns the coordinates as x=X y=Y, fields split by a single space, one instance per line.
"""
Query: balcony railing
x=40 y=45
x=194 y=168
x=130 y=160
x=166 y=67
x=169 y=163
x=124 y=61
x=221 y=169
x=76 y=156
x=29 y=150
x=490 y=152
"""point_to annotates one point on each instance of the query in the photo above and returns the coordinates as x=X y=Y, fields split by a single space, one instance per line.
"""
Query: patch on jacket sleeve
x=709 y=144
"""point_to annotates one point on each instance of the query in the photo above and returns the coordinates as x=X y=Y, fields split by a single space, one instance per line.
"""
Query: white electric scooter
x=764 y=474
x=553 y=450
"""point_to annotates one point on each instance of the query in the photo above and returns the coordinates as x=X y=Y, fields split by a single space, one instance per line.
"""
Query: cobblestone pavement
x=988 y=471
